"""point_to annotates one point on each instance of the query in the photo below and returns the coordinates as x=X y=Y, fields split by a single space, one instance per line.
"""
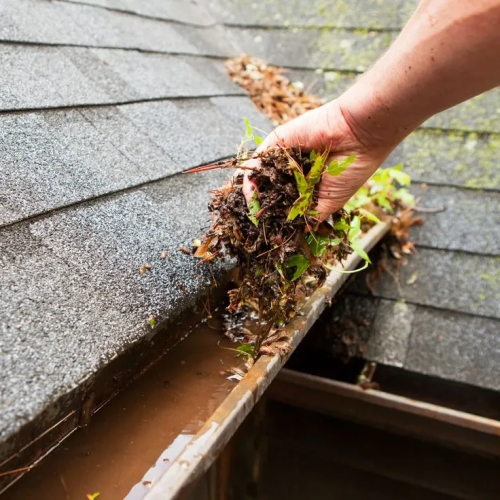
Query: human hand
x=327 y=128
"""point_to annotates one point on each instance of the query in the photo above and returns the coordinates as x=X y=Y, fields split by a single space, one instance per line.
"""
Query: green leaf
x=152 y=321
x=300 y=263
x=302 y=184
x=336 y=241
x=317 y=244
x=400 y=177
x=384 y=202
x=341 y=225
x=248 y=130
x=336 y=168
x=92 y=496
x=369 y=215
x=258 y=139
x=358 y=248
x=316 y=171
x=279 y=268
x=299 y=207
x=405 y=196
x=246 y=350
x=254 y=208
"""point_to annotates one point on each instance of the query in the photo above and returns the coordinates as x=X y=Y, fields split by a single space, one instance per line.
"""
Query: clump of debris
x=283 y=251
x=273 y=93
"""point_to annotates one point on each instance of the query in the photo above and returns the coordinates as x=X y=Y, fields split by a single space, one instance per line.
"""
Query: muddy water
x=133 y=438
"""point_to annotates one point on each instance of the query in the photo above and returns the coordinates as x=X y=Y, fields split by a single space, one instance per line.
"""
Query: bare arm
x=448 y=52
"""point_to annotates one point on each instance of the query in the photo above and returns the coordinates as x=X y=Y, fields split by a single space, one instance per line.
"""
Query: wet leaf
x=337 y=167
x=300 y=263
x=341 y=225
x=400 y=177
x=358 y=248
x=317 y=244
x=302 y=184
x=254 y=208
x=316 y=171
x=368 y=215
x=246 y=350
x=299 y=207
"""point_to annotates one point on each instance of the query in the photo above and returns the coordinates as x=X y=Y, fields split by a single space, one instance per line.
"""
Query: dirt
x=281 y=248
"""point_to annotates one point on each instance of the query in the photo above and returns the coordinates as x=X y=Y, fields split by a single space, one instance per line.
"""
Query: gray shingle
x=470 y=221
x=390 y=333
x=480 y=114
x=41 y=77
x=446 y=280
x=451 y=158
x=188 y=12
x=73 y=294
x=338 y=13
x=309 y=48
x=52 y=159
x=66 y=23
x=456 y=347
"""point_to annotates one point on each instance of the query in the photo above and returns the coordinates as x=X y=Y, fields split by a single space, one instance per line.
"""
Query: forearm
x=447 y=53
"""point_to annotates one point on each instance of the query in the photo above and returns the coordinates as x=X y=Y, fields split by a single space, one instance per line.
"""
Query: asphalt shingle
x=172 y=10
x=309 y=48
x=337 y=13
x=469 y=221
x=52 y=159
x=73 y=293
x=452 y=281
x=451 y=158
x=480 y=114
x=75 y=24
x=42 y=77
x=440 y=347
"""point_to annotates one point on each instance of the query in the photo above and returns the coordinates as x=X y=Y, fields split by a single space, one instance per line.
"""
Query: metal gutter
x=203 y=447
x=397 y=414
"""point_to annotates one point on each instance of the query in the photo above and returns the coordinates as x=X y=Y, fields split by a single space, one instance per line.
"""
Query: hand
x=327 y=128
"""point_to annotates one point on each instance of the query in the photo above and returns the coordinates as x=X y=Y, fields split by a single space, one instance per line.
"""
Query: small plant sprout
x=249 y=133
x=93 y=496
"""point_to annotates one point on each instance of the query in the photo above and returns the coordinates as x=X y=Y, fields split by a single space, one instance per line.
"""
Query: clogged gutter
x=282 y=250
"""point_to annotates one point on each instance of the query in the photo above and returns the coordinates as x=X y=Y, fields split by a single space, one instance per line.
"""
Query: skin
x=448 y=52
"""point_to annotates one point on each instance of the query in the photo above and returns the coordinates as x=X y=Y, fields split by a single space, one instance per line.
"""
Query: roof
x=103 y=103
x=448 y=325
x=100 y=112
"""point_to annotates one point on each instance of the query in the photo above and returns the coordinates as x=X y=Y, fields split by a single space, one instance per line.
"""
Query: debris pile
x=273 y=93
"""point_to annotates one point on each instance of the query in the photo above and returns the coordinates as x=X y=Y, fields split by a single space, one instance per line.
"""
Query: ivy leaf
x=384 y=202
x=341 y=225
x=369 y=215
x=336 y=168
x=354 y=229
x=336 y=241
x=246 y=350
x=400 y=177
x=358 y=248
x=300 y=263
x=316 y=170
x=249 y=135
x=248 y=130
x=317 y=244
x=299 y=207
x=405 y=196
x=254 y=208
x=302 y=184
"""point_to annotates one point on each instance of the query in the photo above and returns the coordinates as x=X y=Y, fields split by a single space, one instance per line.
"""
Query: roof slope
x=450 y=321
x=100 y=111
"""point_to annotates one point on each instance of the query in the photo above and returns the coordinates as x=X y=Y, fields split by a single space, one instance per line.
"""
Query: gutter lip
x=203 y=448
